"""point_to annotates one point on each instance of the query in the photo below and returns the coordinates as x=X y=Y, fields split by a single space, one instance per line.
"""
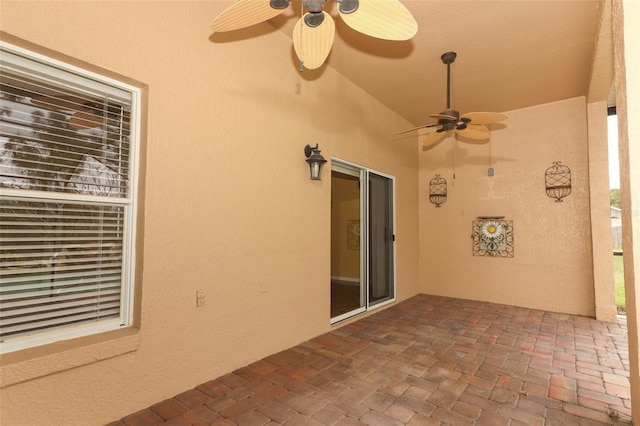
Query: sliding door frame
x=353 y=169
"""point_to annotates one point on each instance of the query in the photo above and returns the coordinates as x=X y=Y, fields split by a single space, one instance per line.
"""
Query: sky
x=614 y=169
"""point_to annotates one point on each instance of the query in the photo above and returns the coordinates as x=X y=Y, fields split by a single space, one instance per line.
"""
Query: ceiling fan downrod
x=448 y=59
x=459 y=124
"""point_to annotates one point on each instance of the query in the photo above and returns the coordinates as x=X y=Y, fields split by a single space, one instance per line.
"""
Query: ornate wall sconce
x=557 y=180
x=315 y=161
x=438 y=190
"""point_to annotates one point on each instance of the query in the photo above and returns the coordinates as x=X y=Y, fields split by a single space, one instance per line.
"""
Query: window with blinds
x=67 y=200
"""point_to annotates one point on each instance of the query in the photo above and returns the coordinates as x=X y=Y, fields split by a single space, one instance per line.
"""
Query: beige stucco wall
x=627 y=63
x=600 y=211
x=552 y=265
x=229 y=207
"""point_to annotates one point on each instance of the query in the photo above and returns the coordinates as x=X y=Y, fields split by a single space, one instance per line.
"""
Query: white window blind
x=67 y=201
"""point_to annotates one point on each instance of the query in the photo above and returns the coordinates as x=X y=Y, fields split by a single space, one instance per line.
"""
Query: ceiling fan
x=470 y=125
x=314 y=32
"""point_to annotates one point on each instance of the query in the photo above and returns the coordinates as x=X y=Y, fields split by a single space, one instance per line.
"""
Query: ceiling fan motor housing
x=348 y=6
x=279 y=4
x=457 y=123
x=451 y=113
x=314 y=19
x=314 y=5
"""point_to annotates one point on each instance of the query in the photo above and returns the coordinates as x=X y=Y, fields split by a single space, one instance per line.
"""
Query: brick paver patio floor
x=426 y=361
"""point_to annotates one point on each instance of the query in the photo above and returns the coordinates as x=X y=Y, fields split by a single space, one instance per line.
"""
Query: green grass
x=618 y=274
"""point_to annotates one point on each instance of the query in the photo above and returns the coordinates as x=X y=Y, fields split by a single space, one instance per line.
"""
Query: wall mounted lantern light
x=315 y=161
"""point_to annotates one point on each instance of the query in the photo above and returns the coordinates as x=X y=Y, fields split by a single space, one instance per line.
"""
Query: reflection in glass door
x=347 y=294
x=362 y=240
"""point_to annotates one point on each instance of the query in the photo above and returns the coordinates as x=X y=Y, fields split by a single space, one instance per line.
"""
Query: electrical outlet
x=201 y=298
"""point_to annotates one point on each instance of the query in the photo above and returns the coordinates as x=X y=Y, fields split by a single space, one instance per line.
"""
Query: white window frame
x=126 y=318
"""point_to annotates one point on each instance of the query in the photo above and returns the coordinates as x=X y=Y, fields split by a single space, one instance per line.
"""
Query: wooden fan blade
x=312 y=45
x=388 y=20
x=244 y=14
x=474 y=131
x=443 y=117
x=412 y=129
x=434 y=137
x=85 y=120
x=424 y=126
x=484 y=117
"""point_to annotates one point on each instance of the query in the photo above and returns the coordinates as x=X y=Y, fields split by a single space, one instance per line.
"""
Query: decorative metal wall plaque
x=492 y=236
x=438 y=190
x=557 y=181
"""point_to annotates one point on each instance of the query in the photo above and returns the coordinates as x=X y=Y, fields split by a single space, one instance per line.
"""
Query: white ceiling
x=511 y=54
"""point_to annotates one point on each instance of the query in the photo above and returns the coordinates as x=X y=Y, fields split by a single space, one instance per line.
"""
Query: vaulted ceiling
x=511 y=54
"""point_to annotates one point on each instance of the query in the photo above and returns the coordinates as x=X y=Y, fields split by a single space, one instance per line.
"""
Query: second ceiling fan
x=314 y=32
x=471 y=125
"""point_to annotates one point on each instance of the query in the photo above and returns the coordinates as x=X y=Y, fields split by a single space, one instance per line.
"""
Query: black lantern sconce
x=438 y=190
x=315 y=161
x=557 y=181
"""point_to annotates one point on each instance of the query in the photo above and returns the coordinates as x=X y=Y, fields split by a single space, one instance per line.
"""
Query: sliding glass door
x=347 y=293
x=381 y=239
x=362 y=239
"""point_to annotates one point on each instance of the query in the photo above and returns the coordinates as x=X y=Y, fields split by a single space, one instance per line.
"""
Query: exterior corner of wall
x=606 y=313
